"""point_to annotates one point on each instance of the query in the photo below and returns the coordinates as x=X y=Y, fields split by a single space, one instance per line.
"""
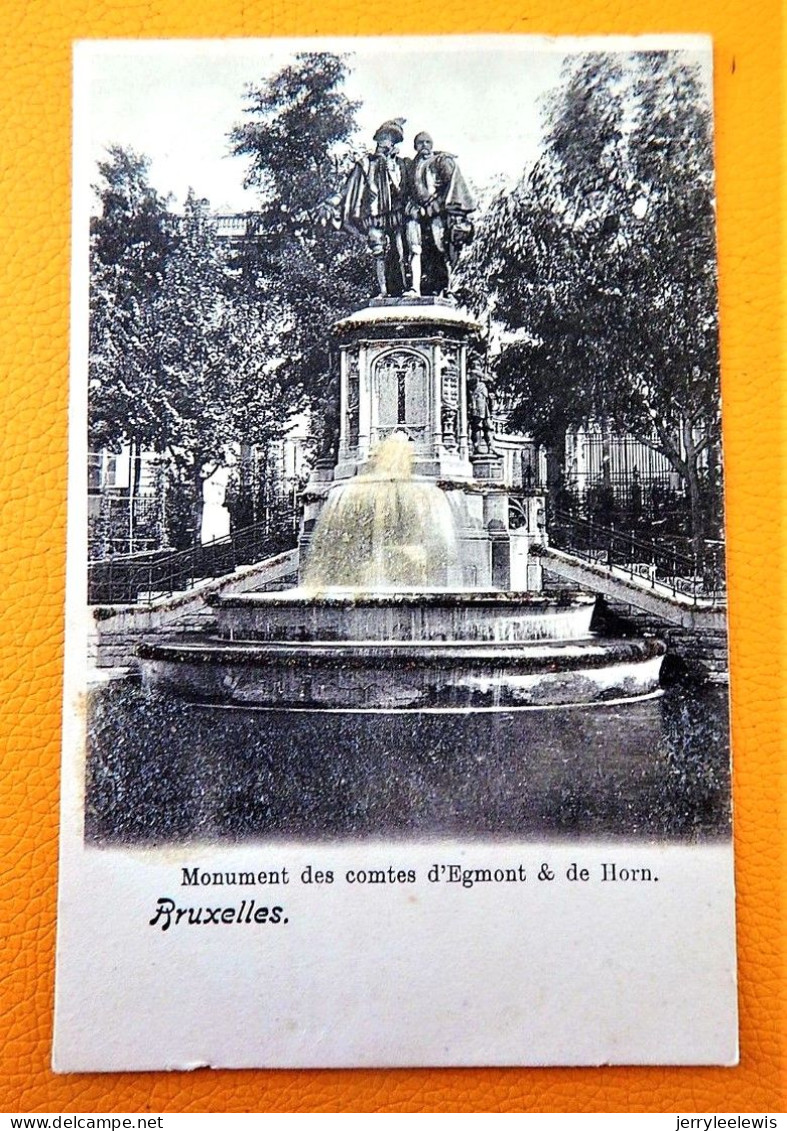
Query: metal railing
x=141 y=578
x=661 y=565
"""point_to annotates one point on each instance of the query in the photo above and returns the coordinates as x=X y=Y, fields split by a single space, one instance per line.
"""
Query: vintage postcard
x=396 y=709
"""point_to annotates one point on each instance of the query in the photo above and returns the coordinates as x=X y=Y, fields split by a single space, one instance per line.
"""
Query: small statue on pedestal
x=330 y=415
x=481 y=403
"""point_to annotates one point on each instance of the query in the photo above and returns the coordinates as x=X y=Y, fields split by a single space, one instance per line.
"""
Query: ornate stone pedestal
x=487 y=467
x=404 y=368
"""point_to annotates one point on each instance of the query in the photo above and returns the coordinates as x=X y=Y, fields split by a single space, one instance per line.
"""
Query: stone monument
x=413 y=363
x=414 y=213
x=414 y=592
x=403 y=368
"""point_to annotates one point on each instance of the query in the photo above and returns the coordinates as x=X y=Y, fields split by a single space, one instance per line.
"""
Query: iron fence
x=141 y=578
x=670 y=564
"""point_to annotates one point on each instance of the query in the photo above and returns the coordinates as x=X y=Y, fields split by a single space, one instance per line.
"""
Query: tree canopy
x=600 y=265
x=132 y=237
x=297 y=134
x=198 y=349
x=184 y=356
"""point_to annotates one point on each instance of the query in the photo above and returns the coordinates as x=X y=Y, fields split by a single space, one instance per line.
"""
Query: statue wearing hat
x=372 y=205
x=437 y=208
x=480 y=407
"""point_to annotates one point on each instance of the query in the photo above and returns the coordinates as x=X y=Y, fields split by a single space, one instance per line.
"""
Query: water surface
x=160 y=770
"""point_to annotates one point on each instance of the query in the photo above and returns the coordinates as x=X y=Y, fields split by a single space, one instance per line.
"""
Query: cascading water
x=383 y=530
x=387 y=614
x=375 y=623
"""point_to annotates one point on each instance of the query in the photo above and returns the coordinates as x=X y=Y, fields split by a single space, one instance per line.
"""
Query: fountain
x=384 y=529
x=380 y=619
x=414 y=591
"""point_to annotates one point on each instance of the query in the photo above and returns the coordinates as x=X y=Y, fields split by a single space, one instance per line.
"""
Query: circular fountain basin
x=395 y=651
x=424 y=615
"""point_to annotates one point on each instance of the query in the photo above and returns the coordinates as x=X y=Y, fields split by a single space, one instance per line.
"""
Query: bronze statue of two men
x=413 y=212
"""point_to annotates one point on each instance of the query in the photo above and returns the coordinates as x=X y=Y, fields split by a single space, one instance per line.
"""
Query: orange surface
x=34 y=291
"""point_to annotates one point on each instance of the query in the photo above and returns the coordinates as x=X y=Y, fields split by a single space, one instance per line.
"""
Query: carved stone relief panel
x=353 y=400
x=400 y=384
x=449 y=395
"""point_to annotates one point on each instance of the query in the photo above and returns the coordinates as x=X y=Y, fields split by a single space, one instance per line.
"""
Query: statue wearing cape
x=413 y=213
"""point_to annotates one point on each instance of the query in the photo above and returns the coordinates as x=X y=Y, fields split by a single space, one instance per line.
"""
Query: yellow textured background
x=34 y=243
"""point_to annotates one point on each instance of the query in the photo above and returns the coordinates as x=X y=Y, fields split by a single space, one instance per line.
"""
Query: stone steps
x=703 y=651
x=695 y=632
x=117 y=630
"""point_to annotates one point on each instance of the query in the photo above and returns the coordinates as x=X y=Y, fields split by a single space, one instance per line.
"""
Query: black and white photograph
x=397 y=661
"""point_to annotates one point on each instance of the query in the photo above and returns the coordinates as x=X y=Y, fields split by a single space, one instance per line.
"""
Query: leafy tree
x=538 y=262
x=668 y=335
x=297 y=134
x=132 y=237
x=134 y=225
x=600 y=265
x=219 y=352
x=184 y=354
